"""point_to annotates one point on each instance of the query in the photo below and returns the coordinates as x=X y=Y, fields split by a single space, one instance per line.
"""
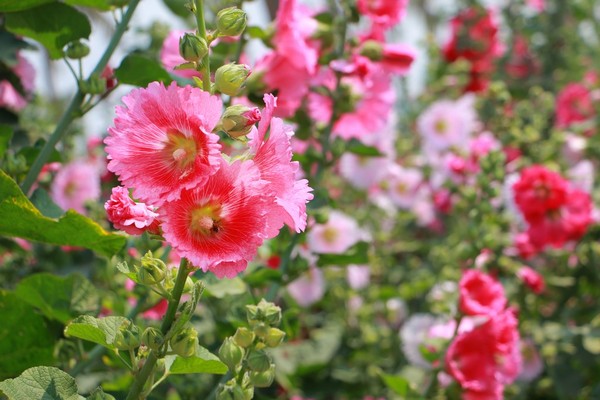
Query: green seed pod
x=231 y=21
x=185 y=342
x=263 y=379
x=231 y=78
x=231 y=354
x=258 y=361
x=77 y=50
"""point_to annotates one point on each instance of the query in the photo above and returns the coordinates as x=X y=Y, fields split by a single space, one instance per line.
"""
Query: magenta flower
x=74 y=185
x=273 y=157
x=384 y=12
x=162 y=143
x=129 y=216
x=220 y=224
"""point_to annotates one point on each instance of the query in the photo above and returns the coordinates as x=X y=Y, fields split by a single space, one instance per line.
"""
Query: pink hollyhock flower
x=358 y=276
x=538 y=191
x=362 y=172
x=533 y=365
x=219 y=225
x=525 y=248
x=401 y=184
x=397 y=58
x=289 y=68
x=480 y=294
x=532 y=279
x=170 y=57
x=336 y=236
x=383 y=12
x=308 y=288
x=162 y=143
x=445 y=124
x=74 y=185
x=129 y=216
x=273 y=157
x=486 y=358
x=574 y=104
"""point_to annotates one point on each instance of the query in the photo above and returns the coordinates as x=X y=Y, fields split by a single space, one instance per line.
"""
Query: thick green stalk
x=73 y=111
x=135 y=392
x=205 y=64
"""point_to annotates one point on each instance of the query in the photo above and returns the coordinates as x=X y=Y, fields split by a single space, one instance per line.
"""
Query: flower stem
x=136 y=390
x=73 y=110
x=205 y=64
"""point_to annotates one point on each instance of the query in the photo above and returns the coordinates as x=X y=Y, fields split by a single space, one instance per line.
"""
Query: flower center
x=441 y=126
x=330 y=235
x=206 y=220
x=180 y=150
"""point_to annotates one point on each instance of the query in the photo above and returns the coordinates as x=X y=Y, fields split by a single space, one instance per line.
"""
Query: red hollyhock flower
x=539 y=191
x=480 y=294
x=574 y=104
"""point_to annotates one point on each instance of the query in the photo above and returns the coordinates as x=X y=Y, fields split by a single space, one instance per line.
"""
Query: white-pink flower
x=358 y=276
x=308 y=288
x=336 y=236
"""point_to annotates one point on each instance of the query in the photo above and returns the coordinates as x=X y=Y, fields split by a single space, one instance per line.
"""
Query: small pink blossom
x=362 y=172
x=129 y=216
x=74 y=185
x=162 y=142
x=532 y=279
x=336 y=236
x=383 y=12
x=308 y=288
x=358 y=276
x=480 y=294
x=401 y=184
x=10 y=98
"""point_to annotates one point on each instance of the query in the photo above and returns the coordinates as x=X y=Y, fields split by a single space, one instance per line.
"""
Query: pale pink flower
x=162 y=142
x=336 y=236
x=219 y=225
x=446 y=124
x=362 y=172
x=273 y=157
x=74 y=185
x=10 y=97
x=533 y=365
x=170 y=57
x=358 y=276
x=537 y=5
x=401 y=184
x=308 y=288
x=129 y=216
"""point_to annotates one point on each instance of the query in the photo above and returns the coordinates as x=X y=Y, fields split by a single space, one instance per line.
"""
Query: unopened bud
x=127 y=337
x=153 y=338
x=258 y=361
x=260 y=329
x=372 y=49
x=152 y=270
x=263 y=379
x=271 y=312
x=192 y=48
x=77 y=50
x=237 y=120
x=274 y=337
x=94 y=85
x=244 y=337
x=231 y=391
x=231 y=21
x=185 y=342
x=231 y=353
x=230 y=78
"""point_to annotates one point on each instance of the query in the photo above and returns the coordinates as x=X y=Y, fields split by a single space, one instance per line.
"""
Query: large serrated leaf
x=25 y=338
x=19 y=218
x=41 y=383
x=97 y=330
x=139 y=70
x=203 y=362
x=59 y=298
x=54 y=25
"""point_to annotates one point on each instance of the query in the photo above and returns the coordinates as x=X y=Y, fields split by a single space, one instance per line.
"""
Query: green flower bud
x=153 y=338
x=258 y=361
x=152 y=270
x=271 y=312
x=274 y=337
x=260 y=329
x=185 y=342
x=244 y=337
x=94 y=85
x=127 y=337
x=77 y=50
x=237 y=120
x=231 y=353
x=263 y=379
x=372 y=49
x=231 y=21
x=231 y=78
x=230 y=391
x=189 y=285
x=192 y=48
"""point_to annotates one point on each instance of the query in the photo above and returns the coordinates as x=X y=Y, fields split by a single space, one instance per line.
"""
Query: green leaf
x=41 y=383
x=357 y=254
x=20 y=5
x=139 y=70
x=31 y=152
x=98 y=394
x=226 y=287
x=53 y=25
x=262 y=276
x=357 y=147
x=59 y=298
x=203 y=362
x=42 y=201
x=256 y=32
x=103 y=5
x=25 y=339
x=96 y=330
x=398 y=384
x=5 y=136
x=128 y=271
x=19 y=218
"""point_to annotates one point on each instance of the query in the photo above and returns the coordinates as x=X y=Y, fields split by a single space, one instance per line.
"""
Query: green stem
x=136 y=390
x=73 y=110
x=205 y=63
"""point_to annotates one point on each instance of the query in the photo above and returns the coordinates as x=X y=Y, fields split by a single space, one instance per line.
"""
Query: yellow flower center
x=206 y=220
